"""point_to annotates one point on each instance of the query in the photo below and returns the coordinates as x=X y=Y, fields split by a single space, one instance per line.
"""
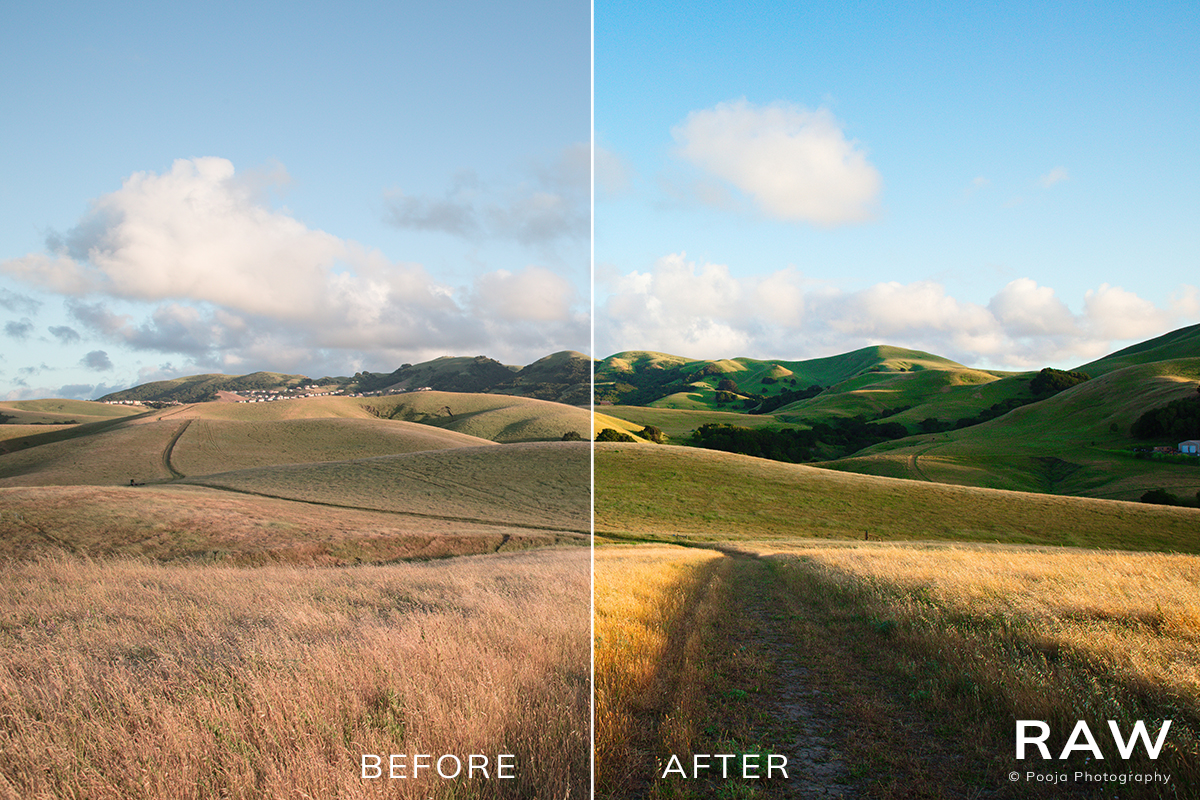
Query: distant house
x=1191 y=447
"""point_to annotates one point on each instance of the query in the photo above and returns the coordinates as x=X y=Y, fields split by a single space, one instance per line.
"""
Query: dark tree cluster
x=1052 y=381
x=823 y=440
x=785 y=397
x=613 y=435
x=1179 y=419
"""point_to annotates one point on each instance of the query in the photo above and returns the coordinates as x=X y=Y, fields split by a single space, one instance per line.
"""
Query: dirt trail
x=793 y=718
x=166 y=456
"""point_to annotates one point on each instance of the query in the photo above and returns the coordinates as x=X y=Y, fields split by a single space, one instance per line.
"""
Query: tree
x=572 y=436
x=727 y=385
x=654 y=434
x=1160 y=497
x=610 y=435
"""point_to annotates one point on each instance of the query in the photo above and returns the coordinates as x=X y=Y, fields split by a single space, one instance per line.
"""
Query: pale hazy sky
x=320 y=188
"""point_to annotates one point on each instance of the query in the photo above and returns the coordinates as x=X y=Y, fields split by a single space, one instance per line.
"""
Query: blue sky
x=319 y=188
x=1012 y=187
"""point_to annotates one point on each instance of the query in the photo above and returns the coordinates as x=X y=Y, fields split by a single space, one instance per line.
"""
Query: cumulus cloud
x=18 y=303
x=703 y=310
x=194 y=262
x=97 y=360
x=795 y=163
x=19 y=329
x=1056 y=175
x=535 y=293
x=65 y=334
x=551 y=205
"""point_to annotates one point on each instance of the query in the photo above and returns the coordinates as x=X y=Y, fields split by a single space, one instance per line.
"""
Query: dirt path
x=792 y=716
x=166 y=456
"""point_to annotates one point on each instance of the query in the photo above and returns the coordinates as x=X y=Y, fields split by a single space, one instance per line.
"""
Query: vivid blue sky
x=1009 y=186
x=318 y=188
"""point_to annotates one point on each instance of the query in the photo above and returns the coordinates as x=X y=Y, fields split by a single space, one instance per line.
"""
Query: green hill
x=564 y=377
x=679 y=493
x=1076 y=442
x=1182 y=343
x=648 y=378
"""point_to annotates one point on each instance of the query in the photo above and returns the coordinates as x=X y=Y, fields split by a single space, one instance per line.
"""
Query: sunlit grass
x=139 y=680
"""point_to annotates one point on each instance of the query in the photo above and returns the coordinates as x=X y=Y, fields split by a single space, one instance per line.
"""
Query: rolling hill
x=563 y=377
x=327 y=480
x=900 y=413
x=681 y=494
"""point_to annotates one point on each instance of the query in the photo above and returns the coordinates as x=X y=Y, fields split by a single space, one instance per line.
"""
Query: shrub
x=1160 y=497
x=572 y=436
x=653 y=433
x=611 y=435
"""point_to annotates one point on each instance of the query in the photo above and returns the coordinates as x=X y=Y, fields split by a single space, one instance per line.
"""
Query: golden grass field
x=977 y=608
x=252 y=630
x=539 y=485
x=645 y=686
x=126 y=679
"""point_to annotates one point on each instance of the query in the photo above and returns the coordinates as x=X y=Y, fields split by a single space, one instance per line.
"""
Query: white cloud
x=795 y=163
x=535 y=294
x=1056 y=175
x=705 y=311
x=193 y=262
x=1115 y=313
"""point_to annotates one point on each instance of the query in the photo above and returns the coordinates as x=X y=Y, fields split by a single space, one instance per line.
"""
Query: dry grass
x=537 y=484
x=186 y=523
x=136 y=680
x=1050 y=634
x=209 y=446
x=644 y=597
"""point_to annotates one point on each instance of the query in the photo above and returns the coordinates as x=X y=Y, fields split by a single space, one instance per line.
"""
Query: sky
x=316 y=188
x=1011 y=187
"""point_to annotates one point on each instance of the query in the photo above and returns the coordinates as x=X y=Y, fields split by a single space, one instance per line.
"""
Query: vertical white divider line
x=592 y=417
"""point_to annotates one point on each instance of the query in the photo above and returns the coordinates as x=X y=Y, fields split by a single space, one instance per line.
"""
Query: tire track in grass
x=780 y=710
x=166 y=456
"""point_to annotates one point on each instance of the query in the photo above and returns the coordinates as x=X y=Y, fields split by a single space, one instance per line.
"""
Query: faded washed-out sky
x=1008 y=185
x=315 y=188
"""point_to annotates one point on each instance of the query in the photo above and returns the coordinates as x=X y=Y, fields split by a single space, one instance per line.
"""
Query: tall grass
x=648 y=605
x=1045 y=634
x=140 y=680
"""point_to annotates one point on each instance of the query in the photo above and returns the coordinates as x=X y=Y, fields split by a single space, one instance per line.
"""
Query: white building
x=1191 y=447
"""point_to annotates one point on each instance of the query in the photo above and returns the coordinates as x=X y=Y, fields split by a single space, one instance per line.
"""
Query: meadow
x=904 y=660
x=132 y=679
x=289 y=586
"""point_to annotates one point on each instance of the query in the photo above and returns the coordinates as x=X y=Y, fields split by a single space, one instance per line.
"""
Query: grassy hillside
x=1076 y=442
x=498 y=418
x=671 y=382
x=199 y=388
x=564 y=377
x=208 y=446
x=451 y=373
x=1182 y=343
x=194 y=523
x=58 y=412
x=218 y=437
x=679 y=423
x=535 y=485
x=103 y=455
x=668 y=492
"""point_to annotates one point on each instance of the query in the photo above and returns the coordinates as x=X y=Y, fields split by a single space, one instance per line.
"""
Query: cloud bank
x=193 y=262
x=704 y=311
x=795 y=164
